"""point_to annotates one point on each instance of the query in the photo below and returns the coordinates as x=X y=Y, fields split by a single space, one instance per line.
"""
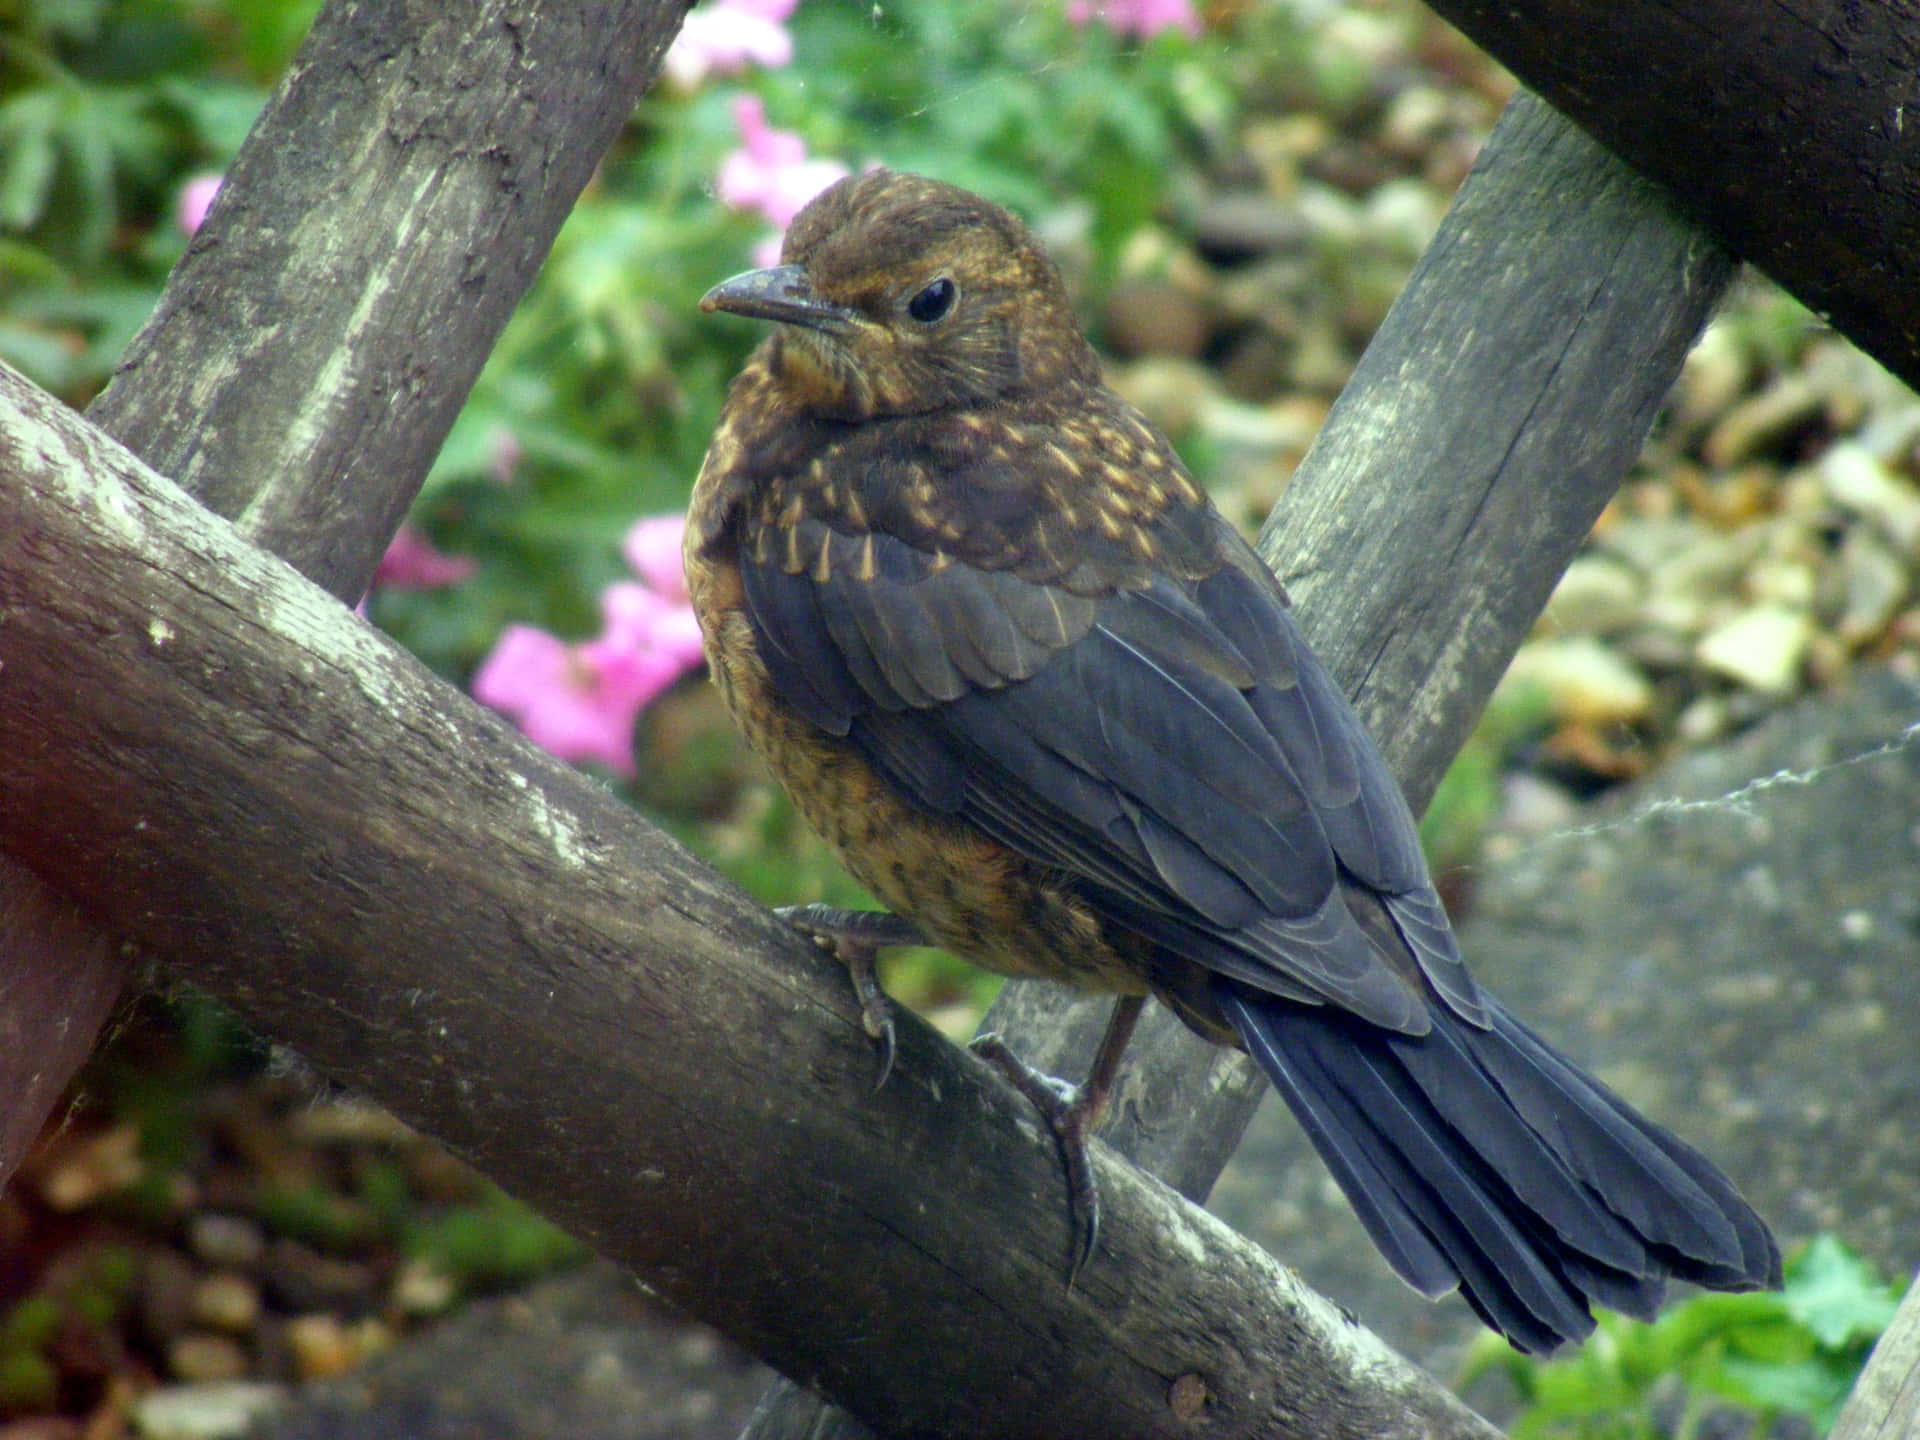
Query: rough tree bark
x=217 y=758
x=1554 y=308
x=1789 y=128
x=312 y=347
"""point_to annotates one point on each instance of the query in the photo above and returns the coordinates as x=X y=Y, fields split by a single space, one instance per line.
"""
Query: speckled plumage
x=1047 y=705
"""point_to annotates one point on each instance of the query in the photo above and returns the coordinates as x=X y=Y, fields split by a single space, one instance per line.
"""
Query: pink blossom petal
x=677 y=636
x=631 y=611
x=1144 y=18
x=763 y=42
x=770 y=172
x=750 y=118
x=659 y=634
x=794 y=186
x=724 y=37
x=523 y=665
x=559 y=697
x=652 y=547
x=768 y=252
x=642 y=621
x=629 y=656
x=412 y=563
x=196 y=199
x=687 y=61
x=637 y=676
x=742 y=181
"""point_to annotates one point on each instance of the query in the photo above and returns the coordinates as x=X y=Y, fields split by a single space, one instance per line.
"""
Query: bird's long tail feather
x=1482 y=1159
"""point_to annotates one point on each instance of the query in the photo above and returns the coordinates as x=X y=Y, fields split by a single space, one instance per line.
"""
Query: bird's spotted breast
x=967 y=893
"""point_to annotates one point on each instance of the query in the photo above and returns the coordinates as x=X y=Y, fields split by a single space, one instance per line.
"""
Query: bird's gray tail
x=1481 y=1159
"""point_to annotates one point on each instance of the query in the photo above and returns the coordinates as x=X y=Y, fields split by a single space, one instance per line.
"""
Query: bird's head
x=900 y=295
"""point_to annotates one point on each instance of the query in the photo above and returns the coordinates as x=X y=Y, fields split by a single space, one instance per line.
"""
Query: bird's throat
x=817 y=375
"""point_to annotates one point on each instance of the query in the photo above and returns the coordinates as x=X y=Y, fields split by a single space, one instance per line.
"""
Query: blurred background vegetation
x=1235 y=192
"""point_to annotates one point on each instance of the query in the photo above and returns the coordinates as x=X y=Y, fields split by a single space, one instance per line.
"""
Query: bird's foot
x=1072 y=1112
x=855 y=938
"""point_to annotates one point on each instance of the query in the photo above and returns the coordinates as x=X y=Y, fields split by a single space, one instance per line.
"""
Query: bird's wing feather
x=1176 y=745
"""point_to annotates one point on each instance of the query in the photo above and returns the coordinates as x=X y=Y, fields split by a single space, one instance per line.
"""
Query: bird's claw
x=855 y=938
x=876 y=1010
x=1071 y=1112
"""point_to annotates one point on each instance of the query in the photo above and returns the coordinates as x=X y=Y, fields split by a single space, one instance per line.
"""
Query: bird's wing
x=1175 y=744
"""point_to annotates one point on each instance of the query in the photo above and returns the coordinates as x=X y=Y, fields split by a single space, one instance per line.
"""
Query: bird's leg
x=1073 y=1112
x=855 y=938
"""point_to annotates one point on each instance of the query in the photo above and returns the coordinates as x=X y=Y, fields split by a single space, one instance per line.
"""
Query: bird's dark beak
x=784 y=294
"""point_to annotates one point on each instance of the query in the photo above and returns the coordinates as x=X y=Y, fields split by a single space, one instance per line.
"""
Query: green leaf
x=1836 y=1295
x=28 y=156
x=495 y=1241
x=220 y=114
x=1812 y=1387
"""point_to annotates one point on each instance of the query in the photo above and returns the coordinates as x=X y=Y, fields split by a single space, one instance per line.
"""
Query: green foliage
x=1794 y=1353
x=110 y=105
x=86 y=1297
x=318 y=1216
x=493 y=1242
x=1008 y=99
x=28 y=1381
x=1468 y=796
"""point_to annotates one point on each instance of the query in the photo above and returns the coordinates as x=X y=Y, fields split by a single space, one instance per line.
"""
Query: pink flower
x=196 y=199
x=650 y=641
x=412 y=563
x=581 y=701
x=723 y=37
x=770 y=172
x=1145 y=18
x=652 y=548
x=558 y=697
x=655 y=617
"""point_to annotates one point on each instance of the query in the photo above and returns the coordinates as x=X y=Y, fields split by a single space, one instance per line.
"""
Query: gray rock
x=229 y=1241
x=1597 y=596
x=1762 y=647
x=1583 y=680
x=214 y=1411
x=1873 y=582
x=1856 y=479
x=1235 y=224
x=586 y=1355
x=1731 y=945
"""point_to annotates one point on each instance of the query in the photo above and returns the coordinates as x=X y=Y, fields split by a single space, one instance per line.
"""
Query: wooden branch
x=59 y=977
x=212 y=755
x=1885 y=1403
x=315 y=342
x=1500 y=404
x=1488 y=424
x=1789 y=128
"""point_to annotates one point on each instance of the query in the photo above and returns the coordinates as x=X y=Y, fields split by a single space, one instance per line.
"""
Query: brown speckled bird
x=1052 y=710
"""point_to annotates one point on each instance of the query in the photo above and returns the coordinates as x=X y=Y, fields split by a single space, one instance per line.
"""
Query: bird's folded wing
x=1175 y=745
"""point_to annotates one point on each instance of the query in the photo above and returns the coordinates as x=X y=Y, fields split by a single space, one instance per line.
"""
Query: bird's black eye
x=933 y=303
